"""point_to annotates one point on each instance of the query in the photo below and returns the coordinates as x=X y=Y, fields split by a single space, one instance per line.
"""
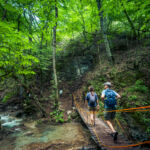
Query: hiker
x=110 y=101
x=93 y=104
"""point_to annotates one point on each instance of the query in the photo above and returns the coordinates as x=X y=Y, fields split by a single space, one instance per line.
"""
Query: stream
x=23 y=134
x=40 y=135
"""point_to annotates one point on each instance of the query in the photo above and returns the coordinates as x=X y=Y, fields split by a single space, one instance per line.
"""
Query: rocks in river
x=28 y=133
x=5 y=132
x=8 y=121
x=68 y=136
x=31 y=125
x=19 y=114
x=8 y=125
x=58 y=145
x=69 y=112
x=88 y=148
x=72 y=113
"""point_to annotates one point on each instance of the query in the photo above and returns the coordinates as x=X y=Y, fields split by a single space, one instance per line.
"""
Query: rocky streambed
x=21 y=134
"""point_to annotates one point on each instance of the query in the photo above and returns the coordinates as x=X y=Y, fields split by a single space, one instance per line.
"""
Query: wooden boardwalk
x=101 y=132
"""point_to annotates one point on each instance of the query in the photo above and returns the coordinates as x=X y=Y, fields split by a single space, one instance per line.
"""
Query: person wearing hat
x=110 y=101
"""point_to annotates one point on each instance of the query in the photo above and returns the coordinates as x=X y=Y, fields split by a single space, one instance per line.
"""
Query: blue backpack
x=110 y=98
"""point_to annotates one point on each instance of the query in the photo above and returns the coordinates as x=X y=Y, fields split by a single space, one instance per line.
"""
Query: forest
x=51 y=50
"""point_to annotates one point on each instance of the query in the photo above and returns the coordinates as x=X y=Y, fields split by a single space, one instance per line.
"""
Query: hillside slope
x=130 y=78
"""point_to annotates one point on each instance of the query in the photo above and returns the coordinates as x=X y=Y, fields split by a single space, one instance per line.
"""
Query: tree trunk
x=129 y=19
x=54 y=54
x=98 y=51
x=83 y=25
x=103 y=31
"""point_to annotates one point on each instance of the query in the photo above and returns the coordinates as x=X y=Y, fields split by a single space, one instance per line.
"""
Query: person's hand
x=98 y=107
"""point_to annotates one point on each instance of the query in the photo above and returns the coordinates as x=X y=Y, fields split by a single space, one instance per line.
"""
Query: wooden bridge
x=101 y=132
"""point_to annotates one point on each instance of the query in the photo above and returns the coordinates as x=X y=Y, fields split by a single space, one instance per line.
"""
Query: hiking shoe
x=115 y=136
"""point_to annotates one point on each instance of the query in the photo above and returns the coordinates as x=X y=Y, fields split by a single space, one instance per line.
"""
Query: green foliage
x=29 y=107
x=123 y=85
x=139 y=87
x=148 y=130
x=139 y=82
x=132 y=97
x=57 y=115
x=14 y=60
x=7 y=97
x=124 y=94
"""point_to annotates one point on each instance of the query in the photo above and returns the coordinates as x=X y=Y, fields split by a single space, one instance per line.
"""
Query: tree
x=103 y=25
x=54 y=53
x=129 y=19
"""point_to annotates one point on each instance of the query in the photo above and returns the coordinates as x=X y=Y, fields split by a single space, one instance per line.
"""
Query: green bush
x=139 y=82
x=132 y=97
x=142 y=89
x=123 y=85
x=124 y=94
x=148 y=130
x=8 y=96
x=138 y=87
x=57 y=115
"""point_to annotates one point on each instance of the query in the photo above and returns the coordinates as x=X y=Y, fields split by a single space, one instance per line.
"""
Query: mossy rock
x=74 y=115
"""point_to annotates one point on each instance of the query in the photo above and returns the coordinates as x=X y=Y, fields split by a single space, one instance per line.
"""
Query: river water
x=22 y=134
x=38 y=135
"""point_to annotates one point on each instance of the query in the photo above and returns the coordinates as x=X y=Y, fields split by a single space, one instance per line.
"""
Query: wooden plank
x=90 y=128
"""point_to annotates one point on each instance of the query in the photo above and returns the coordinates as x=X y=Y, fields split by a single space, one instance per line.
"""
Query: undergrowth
x=57 y=116
x=131 y=86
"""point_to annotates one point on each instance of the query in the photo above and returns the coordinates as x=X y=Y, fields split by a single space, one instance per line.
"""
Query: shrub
x=132 y=97
x=139 y=82
x=124 y=94
x=58 y=116
x=138 y=87
x=8 y=96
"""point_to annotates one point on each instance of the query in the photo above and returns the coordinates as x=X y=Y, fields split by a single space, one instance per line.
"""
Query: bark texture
x=103 y=31
x=54 y=53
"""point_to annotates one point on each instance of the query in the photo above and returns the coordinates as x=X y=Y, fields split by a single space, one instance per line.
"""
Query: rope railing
x=131 y=109
x=144 y=108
